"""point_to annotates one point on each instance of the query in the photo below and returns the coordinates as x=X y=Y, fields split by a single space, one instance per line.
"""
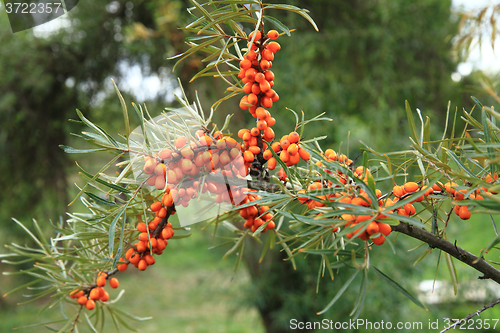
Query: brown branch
x=464 y=256
x=473 y=314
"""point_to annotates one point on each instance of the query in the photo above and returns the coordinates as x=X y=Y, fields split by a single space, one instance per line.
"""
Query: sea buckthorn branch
x=479 y=264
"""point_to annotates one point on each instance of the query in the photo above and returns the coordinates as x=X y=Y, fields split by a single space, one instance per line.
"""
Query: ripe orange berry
x=265 y=65
x=261 y=125
x=260 y=77
x=142 y=265
x=248 y=156
x=267 y=154
x=94 y=294
x=409 y=209
x=104 y=297
x=241 y=132
x=165 y=154
x=245 y=64
x=304 y=154
x=267 y=55
x=101 y=281
x=273 y=47
x=271 y=163
x=379 y=240
x=257 y=34
x=180 y=141
x=122 y=267
x=268 y=134
x=261 y=113
x=398 y=191
x=273 y=34
x=384 y=228
x=264 y=87
x=252 y=99
x=372 y=228
x=156 y=206
x=269 y=75
x=410 y=187
x=113 y=283
x=90 y=305
x=293 y=149
x=82 y=300
x=293 y=137
x=254 y=131
x=254 y=149
x=464 y=212
x=270 y=121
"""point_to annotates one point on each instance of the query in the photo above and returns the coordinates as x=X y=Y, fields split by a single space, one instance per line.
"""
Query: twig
x=473 y=314
x=76 y=319
x=464 y=256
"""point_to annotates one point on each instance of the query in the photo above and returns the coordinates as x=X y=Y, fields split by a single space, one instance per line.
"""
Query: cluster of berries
x=88 y=296
x=256 y=216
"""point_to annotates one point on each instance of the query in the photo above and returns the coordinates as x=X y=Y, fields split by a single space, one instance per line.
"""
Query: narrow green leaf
x=411 y=121
x=396 y=286
x=120 y=213
x=339 y=293
x=453 y=272
x=277 y=24
x=71 y=150
x=125 y=112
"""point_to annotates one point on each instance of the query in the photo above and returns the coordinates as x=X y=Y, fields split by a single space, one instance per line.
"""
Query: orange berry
x=268 y=134
x=293 y=149
x=245 y=64
x=264 y=87
x=254 y=149
x=142 y=265
x=384 y=228
x=104 y=297
x=267 y=55
x=248 y=156
x=266 y=102
x=90 y=304
x=267 y=154
x=94 y=294
x=260 y=77
x=82 y=300
x=273 y=34
x=293 y=137
x=261 y=125
x=410 y=187
x=241 y=132
x=409 y=209
x=269 y=75
x=254 y=131
x=304 y=154
x=122 y=267
x=271 y=164
x=379 y=240
x=372 y=228
x=270 y=121
x=261 y=113
x=265 y=65
x=180 y=141
x=101 y=281
x=257 y=34
x=464 y=212
x=398 y=191
x=273 y=47
x=113 y=283
x=156 y=206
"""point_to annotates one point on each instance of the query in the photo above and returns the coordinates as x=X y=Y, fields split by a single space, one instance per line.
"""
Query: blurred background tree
x=368 y=58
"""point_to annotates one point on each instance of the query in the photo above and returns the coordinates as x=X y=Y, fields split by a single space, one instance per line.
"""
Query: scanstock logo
x=26 y=14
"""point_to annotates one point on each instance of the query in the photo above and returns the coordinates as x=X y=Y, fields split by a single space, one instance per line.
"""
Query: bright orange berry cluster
x=88 y=296
x=256 y=216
